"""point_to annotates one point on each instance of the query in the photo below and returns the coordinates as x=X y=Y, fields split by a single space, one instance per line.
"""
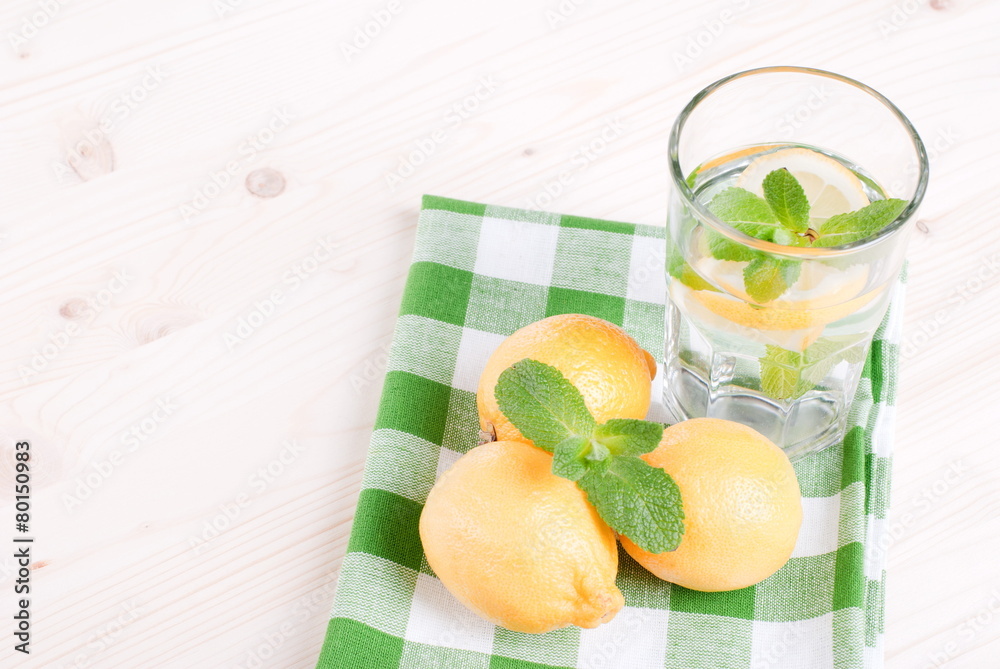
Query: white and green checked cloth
x=481 y=272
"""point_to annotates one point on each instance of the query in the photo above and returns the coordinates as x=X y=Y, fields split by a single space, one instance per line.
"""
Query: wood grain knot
x=265 y=182
x=162 y=323
x=91 y=155
x=941 y=5
x=72 y=308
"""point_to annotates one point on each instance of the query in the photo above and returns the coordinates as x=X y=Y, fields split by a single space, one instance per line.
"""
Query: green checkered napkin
x=481 y=272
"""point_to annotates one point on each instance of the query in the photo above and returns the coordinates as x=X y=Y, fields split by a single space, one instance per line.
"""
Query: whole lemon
x=605 y=364
x=519 y=545
x=742 y=506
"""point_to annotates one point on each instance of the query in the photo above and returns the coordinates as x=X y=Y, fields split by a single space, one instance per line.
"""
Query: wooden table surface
x=208 y=213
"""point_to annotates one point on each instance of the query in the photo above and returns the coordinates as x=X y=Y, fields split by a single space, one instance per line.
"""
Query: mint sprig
x=782 y=217
x=636 y=499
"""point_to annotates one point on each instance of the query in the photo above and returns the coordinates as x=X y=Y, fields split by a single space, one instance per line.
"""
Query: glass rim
x=680 y=183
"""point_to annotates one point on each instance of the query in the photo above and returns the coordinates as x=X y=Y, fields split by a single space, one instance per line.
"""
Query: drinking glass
x=783 y=357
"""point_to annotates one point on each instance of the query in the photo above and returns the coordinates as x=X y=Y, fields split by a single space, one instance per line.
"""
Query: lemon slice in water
x=830 y=187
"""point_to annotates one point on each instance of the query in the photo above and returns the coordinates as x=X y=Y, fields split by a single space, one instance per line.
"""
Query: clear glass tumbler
x=772 y=307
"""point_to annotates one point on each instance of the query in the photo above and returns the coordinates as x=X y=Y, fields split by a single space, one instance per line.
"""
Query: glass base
x=812 y=423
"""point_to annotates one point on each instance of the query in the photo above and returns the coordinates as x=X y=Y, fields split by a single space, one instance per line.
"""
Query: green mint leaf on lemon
x=857 y=225
x=766 y=278
x=568 y=458
x=787 y=200
x=637 y=500
x=631 y=496
x=625 y=436
x=549 y=409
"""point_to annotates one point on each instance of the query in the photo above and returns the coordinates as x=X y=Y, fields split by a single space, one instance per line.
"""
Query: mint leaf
x=856 y=225
x=766 y=278
x=542 y=404
x=788 y=374
x=637 y=500
x=744 y=211
x=827 y=352
x=683 y=272
x=781 y=373
x=568 y=459
x=625 y=436
x=747 y=213
x=788 y=201
x=723 y=248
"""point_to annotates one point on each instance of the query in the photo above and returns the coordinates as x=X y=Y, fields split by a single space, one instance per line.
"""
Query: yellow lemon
x=519 y=545
x=605 y=364
x=742 y=506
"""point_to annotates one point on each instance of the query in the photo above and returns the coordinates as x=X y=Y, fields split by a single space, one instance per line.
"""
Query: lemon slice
x=791 y=330
x=821 y=295
x=830 y=187
x=817 y=286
